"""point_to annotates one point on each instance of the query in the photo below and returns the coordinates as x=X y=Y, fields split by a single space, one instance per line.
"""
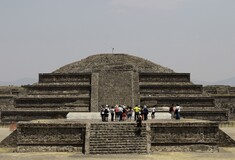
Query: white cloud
x=155 y=4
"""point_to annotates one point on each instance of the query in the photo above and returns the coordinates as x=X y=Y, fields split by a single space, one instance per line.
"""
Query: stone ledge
x=50 y=148
x=185 y=148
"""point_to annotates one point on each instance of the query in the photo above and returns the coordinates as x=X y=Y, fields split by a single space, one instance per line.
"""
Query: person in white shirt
x=177 y=111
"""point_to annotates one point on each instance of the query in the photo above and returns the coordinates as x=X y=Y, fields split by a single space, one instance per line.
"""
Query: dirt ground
x=224 y=154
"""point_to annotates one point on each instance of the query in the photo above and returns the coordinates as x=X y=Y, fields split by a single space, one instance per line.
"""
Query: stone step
x=65 y=77
x=52 y=100
x=155 y=89
x=58 y=85
x=48 y=105
x=164 y=77
x=51 y=105
x=116 y=128
x=175 y=95
x=59 y=93
x=50 y=89
x=114 y=138
x=167 y=83
x=49 y=97
x=119 y=141
x=183 y=97
x=126 y=136
x=183 y=101
x=117 y=151
x=134 y=136
x=213 y=114
x=78 y=109
x=31 y=114
x=122 y=132
x=116 y=124
x=119 y=146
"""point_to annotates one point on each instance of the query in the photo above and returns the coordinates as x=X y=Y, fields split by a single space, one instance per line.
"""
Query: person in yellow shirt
x=137 y=111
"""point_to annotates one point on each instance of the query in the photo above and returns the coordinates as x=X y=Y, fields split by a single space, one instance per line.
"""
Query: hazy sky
x=191 y=36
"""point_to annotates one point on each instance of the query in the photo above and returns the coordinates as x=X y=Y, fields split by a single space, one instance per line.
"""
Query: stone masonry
x=94 y=137
x=111 y=79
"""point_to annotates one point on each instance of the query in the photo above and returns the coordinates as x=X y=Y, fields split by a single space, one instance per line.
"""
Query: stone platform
x=96 y=137
x=96 y=115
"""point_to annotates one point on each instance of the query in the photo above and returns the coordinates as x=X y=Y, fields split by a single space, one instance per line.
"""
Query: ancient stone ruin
x=111 y=79
x=85 y=85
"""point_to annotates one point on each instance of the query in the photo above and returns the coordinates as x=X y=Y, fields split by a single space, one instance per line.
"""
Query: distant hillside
x=229 y=81
x=19 y=82
x=204 y=83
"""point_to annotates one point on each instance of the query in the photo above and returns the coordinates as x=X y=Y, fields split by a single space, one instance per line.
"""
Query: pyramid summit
x=113 y=61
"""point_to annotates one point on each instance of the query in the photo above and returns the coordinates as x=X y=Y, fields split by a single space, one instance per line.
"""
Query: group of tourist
x=117 y=112
x=123 y=112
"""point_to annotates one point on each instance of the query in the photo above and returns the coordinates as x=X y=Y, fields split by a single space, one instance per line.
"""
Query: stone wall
x=164 y=77
x=226 y=103
x=48 y=136
x=27 y=115
x=224 y=98
x=6 y=102
x=7 y=96
x=214 y=115
x=64 y=77
x=116 y=87
x=119 y=137
x=186 y=136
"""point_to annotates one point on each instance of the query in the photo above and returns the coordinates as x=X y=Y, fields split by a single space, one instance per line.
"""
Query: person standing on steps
x=145 y=112
x=102 y=113
x=139 y=124
x=172 y=110
x=112 y=110
x=177 y=112
x=137 y=111
x=153 y=112
x=106 y=113
x=129 y=113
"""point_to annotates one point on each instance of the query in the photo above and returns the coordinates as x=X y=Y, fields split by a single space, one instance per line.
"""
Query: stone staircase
x=53 y=97
x=116 y=138
x=165 y=89
x=57 y=92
